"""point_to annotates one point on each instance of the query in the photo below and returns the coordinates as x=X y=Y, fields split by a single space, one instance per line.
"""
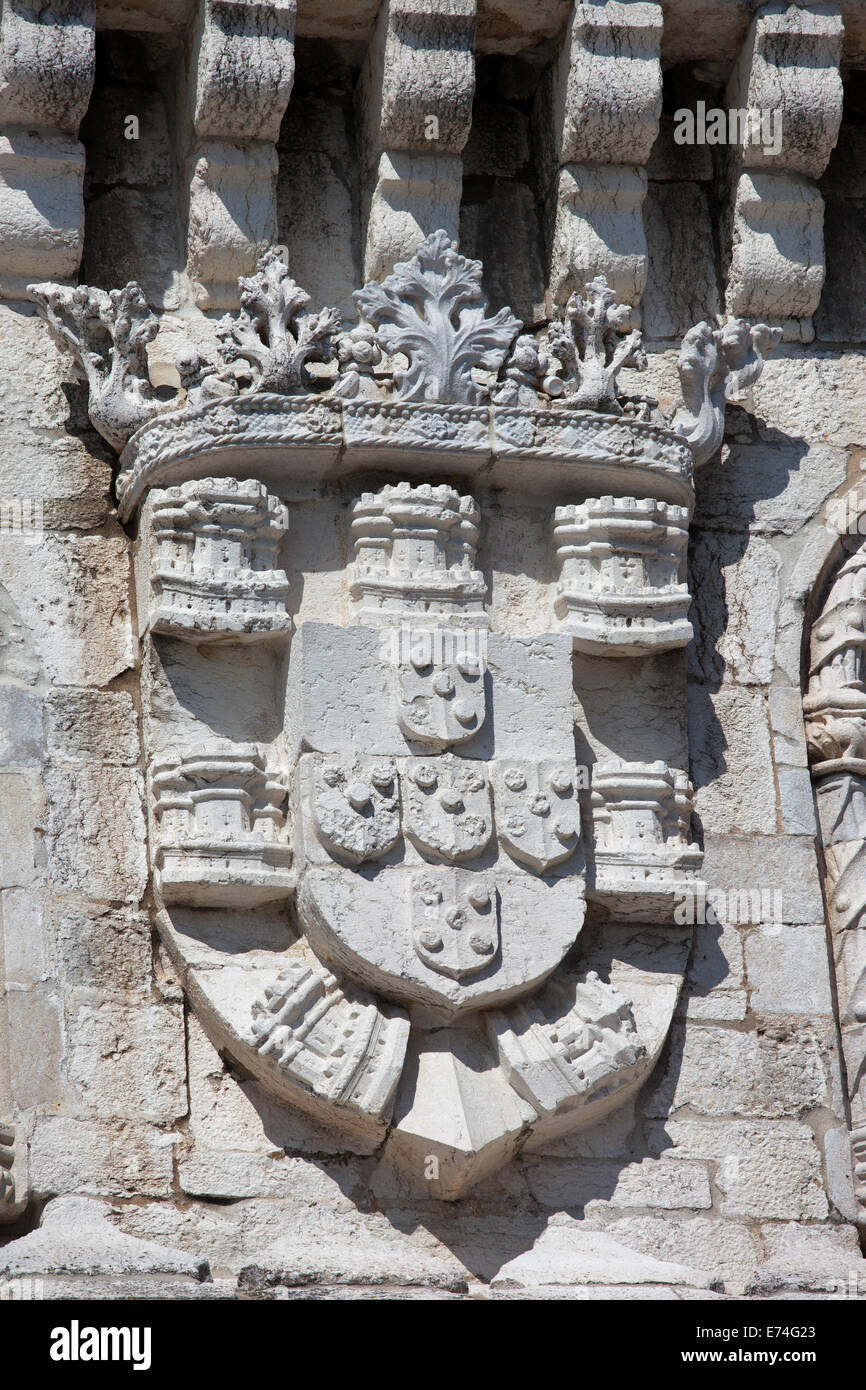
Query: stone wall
x=729 y=1172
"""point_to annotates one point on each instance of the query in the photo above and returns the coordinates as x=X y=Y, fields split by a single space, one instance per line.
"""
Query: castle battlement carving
x=220 y=823
x=620 y=592
x=414 y=557
x=213 y=567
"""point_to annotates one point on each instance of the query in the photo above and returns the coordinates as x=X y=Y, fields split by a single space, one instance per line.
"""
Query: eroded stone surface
x=349 y=861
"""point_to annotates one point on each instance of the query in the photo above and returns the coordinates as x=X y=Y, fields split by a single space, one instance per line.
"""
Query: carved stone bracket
x=239 y=86
x=601 y=112
x=788 y=71
x=47 y=63
x=434 y=310
x=415 y=100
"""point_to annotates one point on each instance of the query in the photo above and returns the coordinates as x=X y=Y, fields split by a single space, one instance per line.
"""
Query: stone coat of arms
x=410 y=884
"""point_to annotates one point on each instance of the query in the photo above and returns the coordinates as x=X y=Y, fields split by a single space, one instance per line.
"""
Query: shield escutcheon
x=455 y=921
x=447 y=807
x=355 y=804
x=537 y=811
x=440 y=704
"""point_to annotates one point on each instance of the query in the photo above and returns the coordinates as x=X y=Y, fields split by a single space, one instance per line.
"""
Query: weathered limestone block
x=787 y=971
x=568 y=1253
x=90 y=726
x=317 y=194
x=46 y=73
x=239 y=86
x=662 y=1184
x=717 y=1071
x=102 y=949
x=749 y=886
x=503 y=232
x=126 y=1063
x=771 y=488
x=682 y=280
x=601 y=111
x=77 y=1241
x=765 y=1170
x=98 y=1157
x=790 y=63
x=83 y=858
x=730 y=761
x=415 y=99
x=789 y=67
x=41 y=208
x=729 y=1250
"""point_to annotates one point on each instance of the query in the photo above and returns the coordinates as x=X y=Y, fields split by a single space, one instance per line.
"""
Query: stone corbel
x=243 y=67
x=46 y=74
x=788 y=71
x=601 y=109
x=416 y=95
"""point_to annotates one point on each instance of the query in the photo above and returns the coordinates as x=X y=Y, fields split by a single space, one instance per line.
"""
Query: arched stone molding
x=824 y=594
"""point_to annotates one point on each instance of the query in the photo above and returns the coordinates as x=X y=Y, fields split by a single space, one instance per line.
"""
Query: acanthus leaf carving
x=593 y=346
x=108 y=332
x=434 y=311
x=715 y=364
x=273 y=334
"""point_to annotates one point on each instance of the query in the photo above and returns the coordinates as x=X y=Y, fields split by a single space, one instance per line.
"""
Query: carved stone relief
x=398 y=802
